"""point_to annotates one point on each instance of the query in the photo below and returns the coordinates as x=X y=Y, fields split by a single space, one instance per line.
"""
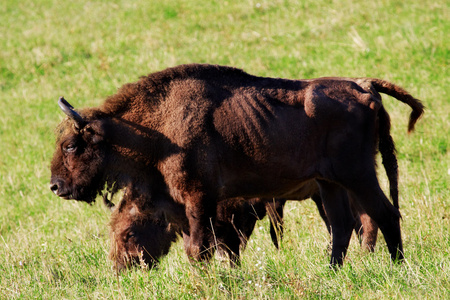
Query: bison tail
x=399 y=93
x=387 y=150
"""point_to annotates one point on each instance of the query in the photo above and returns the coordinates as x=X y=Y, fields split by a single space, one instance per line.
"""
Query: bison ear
x=94 y=132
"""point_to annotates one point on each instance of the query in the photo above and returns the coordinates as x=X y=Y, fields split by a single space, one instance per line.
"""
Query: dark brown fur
x=209 y=133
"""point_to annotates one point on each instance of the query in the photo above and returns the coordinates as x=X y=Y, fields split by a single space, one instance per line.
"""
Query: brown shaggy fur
x=205 y=133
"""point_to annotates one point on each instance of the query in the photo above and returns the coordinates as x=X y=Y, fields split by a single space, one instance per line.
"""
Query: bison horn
x=108 y=202
x=68 y=110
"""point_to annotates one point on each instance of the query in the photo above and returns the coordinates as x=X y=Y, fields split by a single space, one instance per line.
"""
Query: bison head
x=138 y=235
x=79 y=158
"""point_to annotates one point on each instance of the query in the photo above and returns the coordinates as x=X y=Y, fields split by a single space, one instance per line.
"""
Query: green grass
x=85 y=50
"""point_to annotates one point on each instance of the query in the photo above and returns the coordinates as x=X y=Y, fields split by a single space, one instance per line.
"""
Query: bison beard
x=207 y=133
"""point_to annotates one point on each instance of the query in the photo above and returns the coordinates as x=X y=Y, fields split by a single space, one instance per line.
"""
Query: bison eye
x=70 y=148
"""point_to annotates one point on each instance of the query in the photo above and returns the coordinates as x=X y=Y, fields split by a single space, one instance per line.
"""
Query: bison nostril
x=54 y=187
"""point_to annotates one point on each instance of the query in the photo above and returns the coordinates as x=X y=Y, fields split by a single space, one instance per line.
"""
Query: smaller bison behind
x=141 y=234
x=204 y=133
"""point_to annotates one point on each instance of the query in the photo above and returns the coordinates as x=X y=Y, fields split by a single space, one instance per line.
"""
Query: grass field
x=56 y=249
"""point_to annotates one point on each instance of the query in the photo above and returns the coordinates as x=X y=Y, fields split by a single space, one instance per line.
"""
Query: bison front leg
x=201 y=216
x=337 y=208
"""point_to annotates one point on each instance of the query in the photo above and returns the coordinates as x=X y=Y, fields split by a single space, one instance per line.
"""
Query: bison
x=139 y=233
x=205 y=133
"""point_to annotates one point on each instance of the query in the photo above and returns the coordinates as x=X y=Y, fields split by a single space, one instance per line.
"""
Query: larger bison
x=203 y=133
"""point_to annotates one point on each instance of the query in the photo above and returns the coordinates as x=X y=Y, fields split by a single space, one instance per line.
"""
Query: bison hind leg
x=366 y=228
x=337 y=208
x=367 y=194
x=367 y=231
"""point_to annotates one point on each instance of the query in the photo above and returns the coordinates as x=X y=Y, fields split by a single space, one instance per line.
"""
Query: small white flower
x=258 y=249
x=258 y=5
x=261 y=228
x=249 y=282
